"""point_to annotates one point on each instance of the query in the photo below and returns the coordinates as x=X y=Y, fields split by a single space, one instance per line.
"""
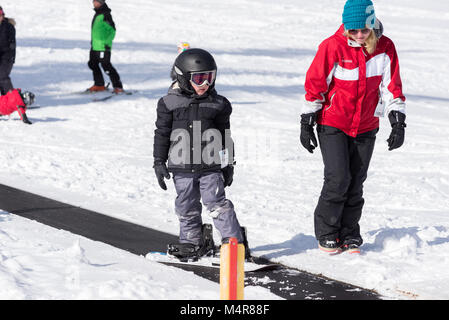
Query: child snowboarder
x=7 y=51
x=103 y=33
x=16 y=100
x=190 y=110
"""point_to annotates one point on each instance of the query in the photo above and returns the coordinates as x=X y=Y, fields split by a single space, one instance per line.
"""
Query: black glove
x=228 y=174
x=161 y=172
x=396 y=139
x=307 y=134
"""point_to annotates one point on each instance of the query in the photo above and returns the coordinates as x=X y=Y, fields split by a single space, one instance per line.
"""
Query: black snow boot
x=244 y=242
x=329 y=245
x=186 y=252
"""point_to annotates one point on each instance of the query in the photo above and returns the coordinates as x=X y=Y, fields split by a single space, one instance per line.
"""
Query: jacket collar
x=176 y=90
x=340 y=34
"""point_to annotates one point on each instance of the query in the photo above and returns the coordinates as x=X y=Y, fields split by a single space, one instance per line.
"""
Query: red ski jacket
x=10 y=101
x=347 y=85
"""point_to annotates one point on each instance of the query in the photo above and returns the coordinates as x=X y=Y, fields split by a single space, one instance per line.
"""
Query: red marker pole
x=232 y=275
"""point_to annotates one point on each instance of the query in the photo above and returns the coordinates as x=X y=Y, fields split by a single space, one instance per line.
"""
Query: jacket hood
x=103 y=9
x=11 y=21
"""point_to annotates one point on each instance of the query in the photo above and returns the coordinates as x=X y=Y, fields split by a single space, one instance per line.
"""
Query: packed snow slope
x=98 y=155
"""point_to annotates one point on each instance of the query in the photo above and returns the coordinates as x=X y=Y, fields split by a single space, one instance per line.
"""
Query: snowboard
x=253 y=264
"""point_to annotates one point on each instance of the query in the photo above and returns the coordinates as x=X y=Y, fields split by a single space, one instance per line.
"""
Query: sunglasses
x=354 y=32
x=202 y=78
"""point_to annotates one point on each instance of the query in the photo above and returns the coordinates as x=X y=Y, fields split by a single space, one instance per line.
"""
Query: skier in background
x=353 y=80
x=103 y=33
x=182 y=46
x=7 y=51
x=193 y=102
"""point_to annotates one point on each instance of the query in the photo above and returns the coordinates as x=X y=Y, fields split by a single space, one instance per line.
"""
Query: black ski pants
x=103 y=58
x=346 y=161
x=5 y=70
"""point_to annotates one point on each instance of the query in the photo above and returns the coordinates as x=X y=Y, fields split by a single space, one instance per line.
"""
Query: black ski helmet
x=189 y=61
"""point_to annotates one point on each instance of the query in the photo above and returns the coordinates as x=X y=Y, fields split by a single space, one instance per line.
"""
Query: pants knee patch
x=216 y=210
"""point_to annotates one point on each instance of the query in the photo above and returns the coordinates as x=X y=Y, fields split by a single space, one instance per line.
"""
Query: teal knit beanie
x=358 y=14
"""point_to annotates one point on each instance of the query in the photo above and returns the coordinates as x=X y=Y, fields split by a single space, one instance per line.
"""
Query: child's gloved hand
x=228 y=175
x=161 y=172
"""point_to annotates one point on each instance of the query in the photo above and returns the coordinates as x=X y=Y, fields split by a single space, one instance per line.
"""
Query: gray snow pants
x=208 y=187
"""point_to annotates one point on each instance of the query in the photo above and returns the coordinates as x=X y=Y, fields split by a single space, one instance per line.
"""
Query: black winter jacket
x=183 y=123
x=7 y=41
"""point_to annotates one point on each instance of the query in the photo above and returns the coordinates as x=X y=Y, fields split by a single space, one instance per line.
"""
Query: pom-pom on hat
x=358 y=14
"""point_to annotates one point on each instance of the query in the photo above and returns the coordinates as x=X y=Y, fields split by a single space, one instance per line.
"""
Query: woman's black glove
x=396 y=139
x=161 y=172
x=307 y=135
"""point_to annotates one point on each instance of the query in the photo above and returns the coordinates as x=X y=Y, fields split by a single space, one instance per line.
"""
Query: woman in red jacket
x=353 y=80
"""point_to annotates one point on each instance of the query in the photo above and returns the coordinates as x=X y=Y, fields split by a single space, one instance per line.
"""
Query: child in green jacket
x=103 y=33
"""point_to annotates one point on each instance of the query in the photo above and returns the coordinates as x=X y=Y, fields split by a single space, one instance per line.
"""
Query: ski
x=88 y=93
x=34 y=107
x=112 y=95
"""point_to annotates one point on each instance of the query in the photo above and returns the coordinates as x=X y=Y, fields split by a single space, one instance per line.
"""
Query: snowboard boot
x=248 y=256
x=186 y=252
x=351 y=246
x=245 y=243
x=329 y=245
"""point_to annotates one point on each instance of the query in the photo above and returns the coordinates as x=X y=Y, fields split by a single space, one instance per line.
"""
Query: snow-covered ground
x=99 y=155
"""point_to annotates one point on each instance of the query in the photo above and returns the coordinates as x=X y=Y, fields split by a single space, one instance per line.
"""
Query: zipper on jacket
x=194 y=116
x=332 y=98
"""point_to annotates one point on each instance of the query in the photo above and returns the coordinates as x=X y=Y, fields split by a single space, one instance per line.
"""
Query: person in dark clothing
x=353 y=80
x=103 y=33
x=193 y=136
x=7 y=51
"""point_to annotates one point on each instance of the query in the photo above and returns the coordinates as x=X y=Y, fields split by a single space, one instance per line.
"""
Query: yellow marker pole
x=232 y=273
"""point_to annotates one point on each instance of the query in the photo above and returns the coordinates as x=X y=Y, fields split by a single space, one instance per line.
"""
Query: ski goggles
x=202 y=78
x=354 y=32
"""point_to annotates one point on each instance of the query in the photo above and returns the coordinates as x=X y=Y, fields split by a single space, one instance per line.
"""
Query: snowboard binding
x=187 y=252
